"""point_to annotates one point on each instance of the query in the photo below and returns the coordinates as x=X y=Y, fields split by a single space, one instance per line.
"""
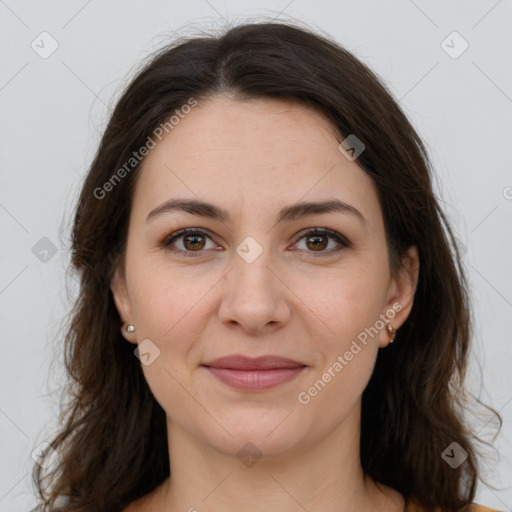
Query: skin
x=252 y=158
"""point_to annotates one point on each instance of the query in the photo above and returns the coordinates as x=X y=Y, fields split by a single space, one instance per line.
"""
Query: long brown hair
x=113 y=443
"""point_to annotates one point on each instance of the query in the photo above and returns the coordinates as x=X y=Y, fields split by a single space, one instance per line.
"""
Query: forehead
x=252 y=155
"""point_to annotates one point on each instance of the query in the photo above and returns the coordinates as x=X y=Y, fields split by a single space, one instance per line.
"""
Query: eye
x=318 y=239
x=192 y=241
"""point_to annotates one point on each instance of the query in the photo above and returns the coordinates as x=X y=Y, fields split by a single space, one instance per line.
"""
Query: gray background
x=53 y=111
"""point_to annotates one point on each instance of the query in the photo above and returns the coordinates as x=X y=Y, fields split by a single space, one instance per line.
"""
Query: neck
x=326 y=476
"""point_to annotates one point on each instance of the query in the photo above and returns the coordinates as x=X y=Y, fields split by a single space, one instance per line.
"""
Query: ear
x=122 y=302
x=401 y=292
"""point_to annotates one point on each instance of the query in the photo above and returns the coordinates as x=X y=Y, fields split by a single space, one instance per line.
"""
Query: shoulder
x=412 y=506
x=480 y=508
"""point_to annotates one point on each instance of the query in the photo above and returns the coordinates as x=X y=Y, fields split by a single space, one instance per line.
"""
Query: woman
x=270 y=314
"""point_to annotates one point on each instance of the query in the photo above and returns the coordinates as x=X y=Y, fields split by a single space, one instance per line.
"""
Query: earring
x=391 y=332
x=130 y=328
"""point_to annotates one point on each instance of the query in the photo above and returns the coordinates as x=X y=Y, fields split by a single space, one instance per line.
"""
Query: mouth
x=254 y=374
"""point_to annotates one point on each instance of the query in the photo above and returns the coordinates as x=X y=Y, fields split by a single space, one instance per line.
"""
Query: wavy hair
x=112 y=442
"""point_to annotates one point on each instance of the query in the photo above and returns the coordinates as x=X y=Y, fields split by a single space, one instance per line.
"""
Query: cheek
x=348 y=302
x=156 y=295
x=169 y=309
x=347 y=350
x=168 y=304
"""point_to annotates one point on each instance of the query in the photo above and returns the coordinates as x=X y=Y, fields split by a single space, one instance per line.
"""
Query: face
x=260 y=278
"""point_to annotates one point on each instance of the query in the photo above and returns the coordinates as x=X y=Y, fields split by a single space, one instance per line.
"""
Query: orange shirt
x=413 y=507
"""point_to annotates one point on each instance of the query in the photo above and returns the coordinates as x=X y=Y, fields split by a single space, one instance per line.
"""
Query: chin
x=263 y=432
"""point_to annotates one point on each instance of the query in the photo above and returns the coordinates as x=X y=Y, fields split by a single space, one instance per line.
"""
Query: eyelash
x=340 y=239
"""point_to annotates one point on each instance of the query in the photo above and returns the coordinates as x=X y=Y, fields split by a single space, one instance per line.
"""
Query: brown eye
x=317 y=242
x=193 y=242
x=188 y=242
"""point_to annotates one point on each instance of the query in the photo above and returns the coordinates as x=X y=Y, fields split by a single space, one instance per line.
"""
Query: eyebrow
x=289 y=213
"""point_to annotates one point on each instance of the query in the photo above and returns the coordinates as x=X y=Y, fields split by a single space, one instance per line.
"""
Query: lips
x=249 y=363
x=254 y=374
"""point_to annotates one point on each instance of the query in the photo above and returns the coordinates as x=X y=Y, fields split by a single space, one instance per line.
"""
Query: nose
x=255 y=298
